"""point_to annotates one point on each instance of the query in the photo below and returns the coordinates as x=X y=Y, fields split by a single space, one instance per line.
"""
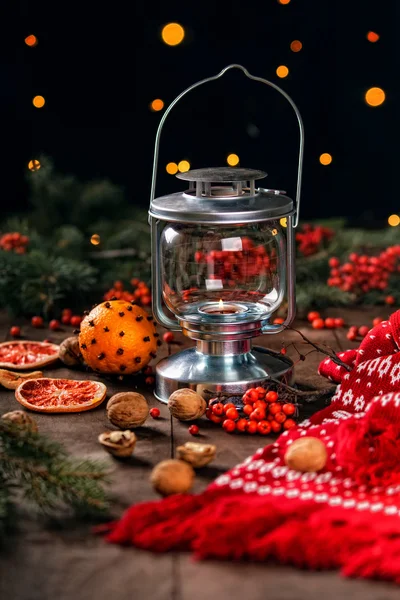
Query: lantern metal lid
x=223 y=195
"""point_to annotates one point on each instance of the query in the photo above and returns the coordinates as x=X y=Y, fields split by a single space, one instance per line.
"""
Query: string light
x=375 y=96
x=372 y=36
x=38 y=101
x=172 y=34
x=283 y=221
x=34 y=165
x=325 y=159
x=95 y=239
x=157 y=105
x=31 y=40
x=282 y=71
x=296 y=46
x=394 y=220
x=183 y=166
x=172 y=168
x=232 y=160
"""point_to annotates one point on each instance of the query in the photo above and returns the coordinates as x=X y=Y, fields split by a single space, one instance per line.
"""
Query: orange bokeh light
x=283 y=1
x=157 y=105
x=38 y=101
x=325 y=158
x=372 y=36
x=172 y=34
x=31 y=40
x=282 y=71
x=375 y=96
x=296 y=46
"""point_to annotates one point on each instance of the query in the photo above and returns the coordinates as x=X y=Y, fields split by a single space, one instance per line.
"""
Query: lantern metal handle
x=254 y=78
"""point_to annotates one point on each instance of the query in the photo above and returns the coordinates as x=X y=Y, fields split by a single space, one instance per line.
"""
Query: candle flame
x=221 y=305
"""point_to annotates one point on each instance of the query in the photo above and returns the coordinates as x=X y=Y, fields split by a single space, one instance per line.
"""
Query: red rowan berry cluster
x=317 y=322
x=260 y=412
x=140 y=292
x=14 y=242
x=311 y=239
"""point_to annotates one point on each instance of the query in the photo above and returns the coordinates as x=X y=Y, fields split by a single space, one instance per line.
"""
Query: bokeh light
x=183 y=166
x=34 y=165
x=157 y=105
x=38 y=101
x=394 y=220
x=283 y=1
x=283 y=221
x=232 y=160
x=172 y=34
x=31 y=40
x=325 y=158
x=372 y=36
x=375 y=96
x=172 y=168
x=282 y=71
x=95 y=239
x=296 y=46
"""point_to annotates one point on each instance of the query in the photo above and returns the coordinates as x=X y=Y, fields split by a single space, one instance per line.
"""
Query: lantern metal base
x=227 y=373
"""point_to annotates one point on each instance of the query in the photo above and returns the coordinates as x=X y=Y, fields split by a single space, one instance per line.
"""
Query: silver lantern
x=223 y=261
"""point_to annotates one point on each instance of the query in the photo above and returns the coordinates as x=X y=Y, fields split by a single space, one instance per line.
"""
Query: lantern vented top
x=221 y=181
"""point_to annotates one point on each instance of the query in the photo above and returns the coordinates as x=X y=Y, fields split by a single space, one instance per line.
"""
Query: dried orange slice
x=24 y=354
x=60 y=395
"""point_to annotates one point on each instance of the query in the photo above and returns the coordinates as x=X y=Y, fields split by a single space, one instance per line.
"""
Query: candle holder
x=222 y=263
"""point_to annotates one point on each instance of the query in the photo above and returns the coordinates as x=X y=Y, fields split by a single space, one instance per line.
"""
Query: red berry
x=390 y=300
x=66 y=312
x=334 y=262
x=168 y=337
x=228 y=405
x=193 y=430
x=313 y=315
x=339 y=322
x=278 y=321
x=54 y=325
x=280 y=417
x=276 y=427
x=76 y=320
x=155 y=413
x=363 y=330
x=229 y=425
x=252 y=394
x=215 y=418
x=241 y=425
x=148 y=371
x=260 y=404
x=263 y=427
x=149 y=380
x=65 y=319
x=289 y=424
x=318 y=324
x=274 y=408
x=247 y=409
x=258 y=414
x=251 y=427
x=261 y=392
x=218 y=409
x=283 y=350
x=232 y=413
x=15 y=331
x=271 y=396
x=351 y=335
x=377 y=321
x=37 y=321
x=289 y=409
x=330 y=323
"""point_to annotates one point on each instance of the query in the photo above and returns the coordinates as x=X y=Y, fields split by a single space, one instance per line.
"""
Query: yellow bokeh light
x=296 y=46
x=232 y=160
x=282 y=71
x=372 y=36
x=31 y=40
x=274 y=232
x=183 y=166
x=172 y=34
x=375 y=96
x=172 y=168
x=283 y=1
x=38 y=101
x=394 y=220
x=283 y=221
x=325 y=158
x=34 y=165
x=157 y=105
x=95 y=239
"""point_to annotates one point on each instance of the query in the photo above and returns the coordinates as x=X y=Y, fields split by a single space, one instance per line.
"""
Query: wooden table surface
x=65 y=561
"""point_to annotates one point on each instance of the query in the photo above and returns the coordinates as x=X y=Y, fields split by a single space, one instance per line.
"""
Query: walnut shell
x=118 y=443
x=22 y=419
x=172 y=477
x=197 y=455
x=186 y=405
x=306 y=454
x=127 y=410
x=70 y=353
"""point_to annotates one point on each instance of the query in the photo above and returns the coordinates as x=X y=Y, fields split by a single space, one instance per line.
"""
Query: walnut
x=118 y=443
x=70 y=353
x=197 y=455
x=127 y=410
x=306 y=454
x=172 y=477
x=186 y=405
x=22 y=419
x=11 y=380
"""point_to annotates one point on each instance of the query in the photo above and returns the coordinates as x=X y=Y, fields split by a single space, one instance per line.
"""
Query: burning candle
x=221 y=308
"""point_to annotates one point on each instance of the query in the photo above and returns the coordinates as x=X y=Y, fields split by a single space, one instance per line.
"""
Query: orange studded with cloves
x=118 y=337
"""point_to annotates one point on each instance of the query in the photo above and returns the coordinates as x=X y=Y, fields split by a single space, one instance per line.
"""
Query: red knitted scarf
x=346 y=516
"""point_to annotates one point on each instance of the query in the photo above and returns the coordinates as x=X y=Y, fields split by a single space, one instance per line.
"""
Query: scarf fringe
x=237 y=527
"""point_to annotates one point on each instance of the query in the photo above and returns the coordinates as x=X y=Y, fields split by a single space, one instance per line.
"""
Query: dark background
x=100 y=65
